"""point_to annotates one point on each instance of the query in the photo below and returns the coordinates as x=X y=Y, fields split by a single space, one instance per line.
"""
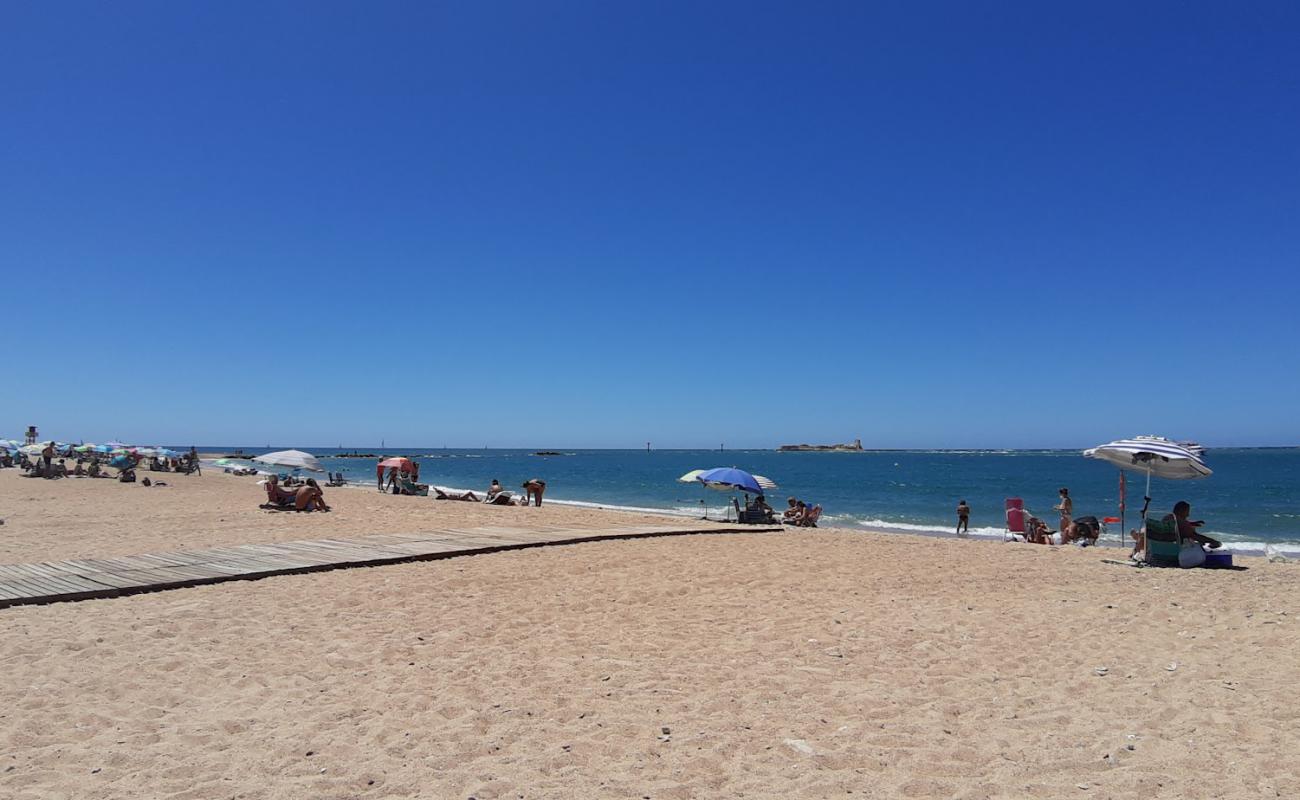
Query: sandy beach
x=811 y=664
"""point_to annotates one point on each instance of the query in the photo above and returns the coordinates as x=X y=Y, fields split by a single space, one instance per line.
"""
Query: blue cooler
x=1218 y=558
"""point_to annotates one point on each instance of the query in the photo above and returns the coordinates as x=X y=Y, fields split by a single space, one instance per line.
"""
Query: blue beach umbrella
x=730 y=476
x=121 y=462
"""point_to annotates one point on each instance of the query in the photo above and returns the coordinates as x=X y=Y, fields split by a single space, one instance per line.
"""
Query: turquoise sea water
x=1253 y=496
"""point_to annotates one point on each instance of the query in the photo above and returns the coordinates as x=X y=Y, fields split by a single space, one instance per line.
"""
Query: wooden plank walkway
x=83 y=579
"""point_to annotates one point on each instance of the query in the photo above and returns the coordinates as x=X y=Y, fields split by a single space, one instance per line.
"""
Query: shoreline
x=1251 y=549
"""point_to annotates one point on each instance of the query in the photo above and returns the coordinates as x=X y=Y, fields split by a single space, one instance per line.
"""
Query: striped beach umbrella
x=1156 y=456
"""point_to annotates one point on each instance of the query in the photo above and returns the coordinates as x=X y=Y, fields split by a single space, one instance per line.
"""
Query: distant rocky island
x=856 y=447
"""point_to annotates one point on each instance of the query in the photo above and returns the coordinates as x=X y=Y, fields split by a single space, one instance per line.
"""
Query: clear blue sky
x=597 y=224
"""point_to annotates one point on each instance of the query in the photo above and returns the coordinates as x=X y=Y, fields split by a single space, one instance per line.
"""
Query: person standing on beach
x=1066 y=507
x=47 y=453
x=534 y=487
x=963 y=518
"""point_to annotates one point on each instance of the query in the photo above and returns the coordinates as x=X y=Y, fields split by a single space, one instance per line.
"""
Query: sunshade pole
x=1146 y=499
x=1123 y=490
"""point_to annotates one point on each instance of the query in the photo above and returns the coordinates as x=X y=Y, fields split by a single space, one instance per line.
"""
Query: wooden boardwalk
x=83 y=579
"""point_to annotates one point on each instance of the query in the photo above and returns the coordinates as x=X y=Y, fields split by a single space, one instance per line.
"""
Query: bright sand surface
x=810 y=664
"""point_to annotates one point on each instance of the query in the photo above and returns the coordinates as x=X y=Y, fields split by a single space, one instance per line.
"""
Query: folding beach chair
x=1016 y=518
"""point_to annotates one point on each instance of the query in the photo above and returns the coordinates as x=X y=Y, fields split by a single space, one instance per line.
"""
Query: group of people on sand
x=1082 y=530
x=496 y=495
x=298 y=496
x=405 y=479
x=800 y=514
x=1086 y=530
x=53 y=463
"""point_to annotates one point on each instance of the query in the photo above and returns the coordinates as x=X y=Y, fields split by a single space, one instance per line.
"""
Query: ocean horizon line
x=563 y=449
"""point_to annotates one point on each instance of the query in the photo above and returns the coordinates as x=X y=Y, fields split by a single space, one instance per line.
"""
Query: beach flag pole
x=1123 y=489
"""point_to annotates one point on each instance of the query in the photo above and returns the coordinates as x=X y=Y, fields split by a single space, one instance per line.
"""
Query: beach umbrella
x=102 y=448
x=166 y=453
x=1157 y=457
x=294 y=459
x=402 y=463
x=723 y=477
x=694 y=475
x=121 y=462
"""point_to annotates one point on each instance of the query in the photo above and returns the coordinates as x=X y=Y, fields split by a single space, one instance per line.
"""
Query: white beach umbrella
x=294 y=459
x=764 y=483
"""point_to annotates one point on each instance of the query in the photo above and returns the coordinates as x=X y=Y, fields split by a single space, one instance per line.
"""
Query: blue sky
x=597 y=224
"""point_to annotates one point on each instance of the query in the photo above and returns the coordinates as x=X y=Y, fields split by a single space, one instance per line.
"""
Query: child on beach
x=963 y=518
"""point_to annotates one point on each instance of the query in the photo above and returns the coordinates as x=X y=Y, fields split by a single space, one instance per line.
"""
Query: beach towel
x=274 y=507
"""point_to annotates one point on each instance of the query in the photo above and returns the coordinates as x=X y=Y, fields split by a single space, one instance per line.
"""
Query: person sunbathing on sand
x=1187 y=529
x=793 y=511
x=1036 y=531
x=439 y=494
x=277 y=495
x=1082 y=529
x=310 y=497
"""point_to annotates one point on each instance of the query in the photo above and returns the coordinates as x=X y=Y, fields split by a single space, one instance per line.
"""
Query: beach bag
x=1191 y=555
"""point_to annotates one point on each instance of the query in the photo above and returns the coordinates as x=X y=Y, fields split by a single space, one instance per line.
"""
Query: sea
x=1252 y=499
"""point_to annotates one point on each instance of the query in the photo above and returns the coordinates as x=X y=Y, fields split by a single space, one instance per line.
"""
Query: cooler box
x=1217 y=558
